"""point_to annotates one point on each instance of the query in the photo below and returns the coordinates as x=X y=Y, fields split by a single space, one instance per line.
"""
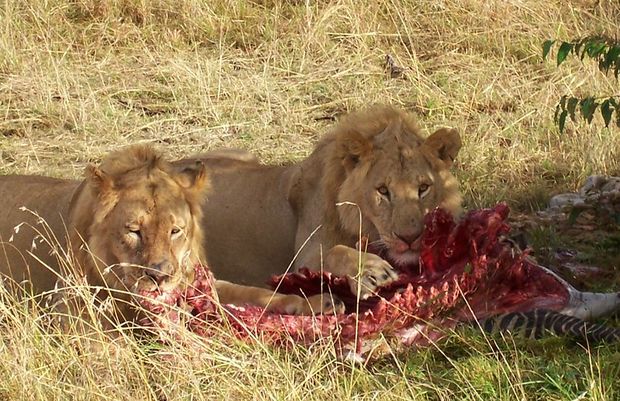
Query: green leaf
x=606 y=110
x=563 y=101
x=590 y=116
x=594 y=48
x=562 y=120
x=612 y=57
x=588 y=106
x=547 y=47
x=563 y=51
x=571 y=104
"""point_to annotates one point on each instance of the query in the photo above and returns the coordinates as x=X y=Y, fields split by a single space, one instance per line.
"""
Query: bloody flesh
x=464 y=267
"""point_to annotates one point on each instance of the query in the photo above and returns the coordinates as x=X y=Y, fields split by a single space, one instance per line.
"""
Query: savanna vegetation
x=79 y=78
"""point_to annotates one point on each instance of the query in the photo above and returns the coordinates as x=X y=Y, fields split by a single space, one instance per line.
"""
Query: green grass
x=82 y=77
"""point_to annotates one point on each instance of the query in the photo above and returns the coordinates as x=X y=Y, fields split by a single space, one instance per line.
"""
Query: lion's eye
x=134 y=232
x=175 y=231
x=384 y=191
x=423 y=189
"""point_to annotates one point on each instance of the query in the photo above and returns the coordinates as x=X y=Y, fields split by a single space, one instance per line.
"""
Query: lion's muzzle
x=159 y=271
x=406 y=241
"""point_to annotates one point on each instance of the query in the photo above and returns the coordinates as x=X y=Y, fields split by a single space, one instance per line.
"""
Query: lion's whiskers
x=380 y=244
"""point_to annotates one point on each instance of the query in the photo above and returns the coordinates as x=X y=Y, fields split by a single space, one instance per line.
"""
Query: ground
x=79 y=78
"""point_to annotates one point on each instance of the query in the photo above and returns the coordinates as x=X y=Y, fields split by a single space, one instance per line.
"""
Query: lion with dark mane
x=374 y=174
x=132 y=225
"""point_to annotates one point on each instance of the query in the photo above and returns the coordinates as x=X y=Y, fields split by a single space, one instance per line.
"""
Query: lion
x=373 y=175
x=132 y=225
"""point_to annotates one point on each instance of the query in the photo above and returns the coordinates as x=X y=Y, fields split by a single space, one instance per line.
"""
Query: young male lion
x=374 y=167
x=132 y=225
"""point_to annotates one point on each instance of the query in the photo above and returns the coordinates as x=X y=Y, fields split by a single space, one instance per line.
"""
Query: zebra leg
x=534 y=323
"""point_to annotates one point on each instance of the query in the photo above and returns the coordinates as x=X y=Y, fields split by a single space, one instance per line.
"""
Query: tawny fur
x=259 y=217
x=87 y=222
x=132 y=189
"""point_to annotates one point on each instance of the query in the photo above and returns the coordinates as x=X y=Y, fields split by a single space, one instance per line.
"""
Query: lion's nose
x=408 y=237
x=158 y=271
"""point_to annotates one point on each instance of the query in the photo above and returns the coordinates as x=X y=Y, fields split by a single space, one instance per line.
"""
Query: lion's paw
x=375 y=273
x=366 y=272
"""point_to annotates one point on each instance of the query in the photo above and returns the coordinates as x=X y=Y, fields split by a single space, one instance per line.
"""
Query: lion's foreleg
x=230 y=293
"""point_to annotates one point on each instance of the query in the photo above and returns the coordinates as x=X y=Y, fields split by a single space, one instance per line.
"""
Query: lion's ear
x=353 y=147
x=444 y=144
x=98 y=180
x=102 y=192
x=193 y=176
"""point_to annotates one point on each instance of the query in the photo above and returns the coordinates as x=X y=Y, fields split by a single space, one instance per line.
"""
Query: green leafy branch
x=607 y=52
x=568 y=106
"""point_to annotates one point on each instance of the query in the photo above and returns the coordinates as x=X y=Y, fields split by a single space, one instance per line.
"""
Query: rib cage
x=535 y=323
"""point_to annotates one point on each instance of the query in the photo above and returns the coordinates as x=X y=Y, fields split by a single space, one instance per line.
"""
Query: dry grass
x=38 y=363
x=81 y=77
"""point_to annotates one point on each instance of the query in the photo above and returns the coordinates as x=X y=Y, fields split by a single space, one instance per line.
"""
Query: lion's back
x=33 y=215
x=249 y=225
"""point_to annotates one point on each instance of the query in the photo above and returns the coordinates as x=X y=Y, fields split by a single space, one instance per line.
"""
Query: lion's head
x=138 y=221
x=379 y=161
